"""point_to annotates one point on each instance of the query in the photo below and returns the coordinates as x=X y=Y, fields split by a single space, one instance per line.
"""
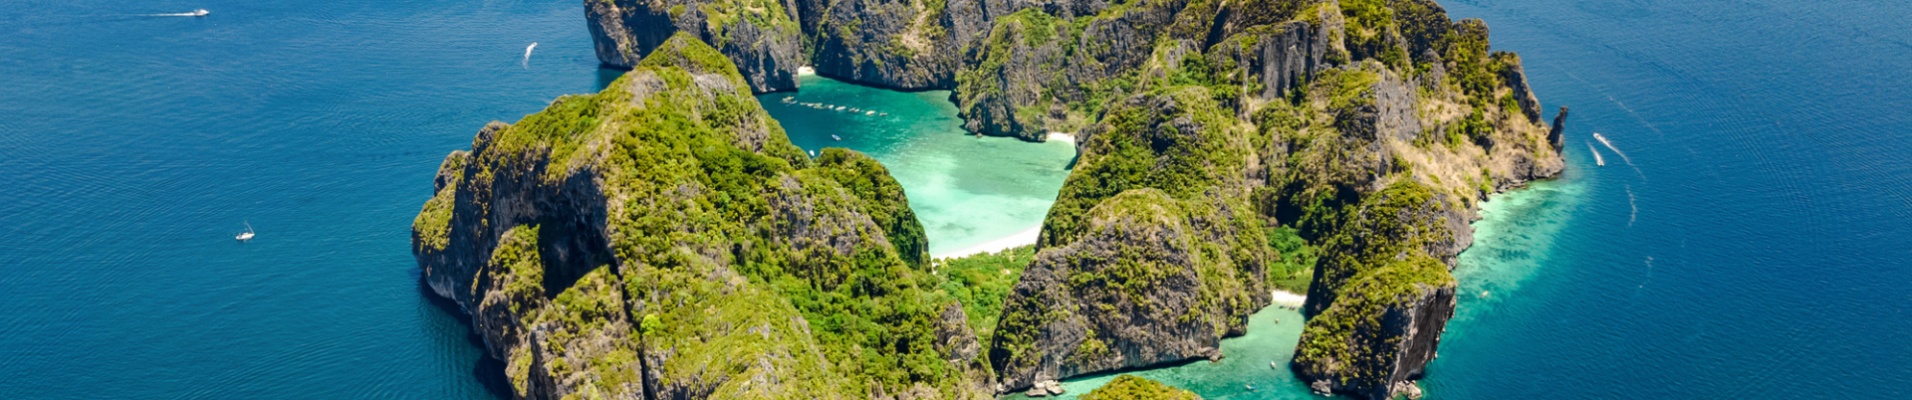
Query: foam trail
x=1603 y=141
x=1597 y=159
x=1634 y=205
x=194 y=13
x=1649 y=272
x=527 y=55
x=1623 y=155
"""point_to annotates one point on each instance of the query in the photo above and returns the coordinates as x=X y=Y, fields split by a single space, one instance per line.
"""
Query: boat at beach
x=247 y=235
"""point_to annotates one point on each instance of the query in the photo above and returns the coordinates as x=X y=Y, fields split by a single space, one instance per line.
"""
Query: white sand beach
x=1283 y=298
x=1062 y=136
x=1022 y=238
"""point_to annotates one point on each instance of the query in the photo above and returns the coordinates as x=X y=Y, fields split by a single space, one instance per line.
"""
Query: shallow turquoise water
x=965 y=189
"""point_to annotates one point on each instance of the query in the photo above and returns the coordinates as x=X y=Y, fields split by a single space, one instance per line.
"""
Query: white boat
x=247 y=235
x=1597 y=159
x=200 y=12
x=836 y=137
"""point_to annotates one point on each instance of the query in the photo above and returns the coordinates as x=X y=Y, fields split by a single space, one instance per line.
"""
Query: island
x=662 y=239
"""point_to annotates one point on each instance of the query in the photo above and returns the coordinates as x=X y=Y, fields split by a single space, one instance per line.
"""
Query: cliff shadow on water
x=488 y=372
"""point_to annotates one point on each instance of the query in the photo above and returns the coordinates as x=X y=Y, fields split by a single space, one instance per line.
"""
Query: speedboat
x=836 y=137
x=200 y=12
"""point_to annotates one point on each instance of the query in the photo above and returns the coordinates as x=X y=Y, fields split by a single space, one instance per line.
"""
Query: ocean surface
x=1752 y=242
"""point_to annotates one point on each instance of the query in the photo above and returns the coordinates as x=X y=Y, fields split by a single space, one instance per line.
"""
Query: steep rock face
x=761 y=37
x=914 y=44
x=663 y=240
x=897 y=44
x=1276 y=55
x=1028 y=76
x=1038 y=72
x=1151 y=253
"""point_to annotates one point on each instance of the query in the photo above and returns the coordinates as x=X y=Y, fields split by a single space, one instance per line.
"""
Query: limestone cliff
x=663 y=239
x=1037 y=73
x=761 y=37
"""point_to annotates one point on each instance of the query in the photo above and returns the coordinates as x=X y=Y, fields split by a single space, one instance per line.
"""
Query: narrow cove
x=966 y=190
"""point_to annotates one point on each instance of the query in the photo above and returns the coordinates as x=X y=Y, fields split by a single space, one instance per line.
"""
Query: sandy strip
x=1060 y=136
x=1018 y=239
x=1284 y=298
x=801 y=71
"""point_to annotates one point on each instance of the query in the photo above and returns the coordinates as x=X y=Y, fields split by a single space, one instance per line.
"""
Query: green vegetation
x=520 y=270
x=869 y=180
x=1402 y=219
x=1350 y=337
x=1298 y=258
x=742 y=256
x=433 y=224
x=1130 y=387
x=980 y=282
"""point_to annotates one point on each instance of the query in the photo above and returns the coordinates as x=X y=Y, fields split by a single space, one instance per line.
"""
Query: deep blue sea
x=1753 y=242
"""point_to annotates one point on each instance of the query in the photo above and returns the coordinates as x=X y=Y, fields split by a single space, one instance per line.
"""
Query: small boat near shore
x=1597 y=159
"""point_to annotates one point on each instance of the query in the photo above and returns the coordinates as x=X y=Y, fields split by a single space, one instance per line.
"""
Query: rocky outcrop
x=761 y=37
x=1133 y=269
x=1130 y=387
x=1556 y=135
x=662 y=239
x=1382 y=334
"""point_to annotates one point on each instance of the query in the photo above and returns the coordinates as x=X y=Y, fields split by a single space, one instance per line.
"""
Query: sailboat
x=247 y=235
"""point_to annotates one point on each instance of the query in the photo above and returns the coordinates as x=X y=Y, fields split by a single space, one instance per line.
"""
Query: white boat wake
x=1633 y=205
x=1597 y=159
x=195 y=13
x=1603 y=141
x=527 y=55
